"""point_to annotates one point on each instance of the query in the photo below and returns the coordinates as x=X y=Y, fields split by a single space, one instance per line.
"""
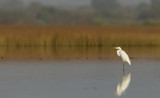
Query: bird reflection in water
x=121 y=87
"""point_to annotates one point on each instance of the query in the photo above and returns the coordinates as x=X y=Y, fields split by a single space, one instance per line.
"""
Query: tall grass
x=79 y=36
x=77 y=41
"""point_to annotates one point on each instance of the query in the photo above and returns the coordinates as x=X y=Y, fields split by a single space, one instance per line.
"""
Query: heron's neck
x=120 y=49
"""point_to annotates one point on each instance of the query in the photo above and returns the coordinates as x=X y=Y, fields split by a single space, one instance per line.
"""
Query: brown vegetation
x=83 y=36
x=77 y=41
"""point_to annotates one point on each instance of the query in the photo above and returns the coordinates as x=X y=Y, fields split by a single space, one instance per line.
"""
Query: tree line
x=113 y=12
x=101 y=12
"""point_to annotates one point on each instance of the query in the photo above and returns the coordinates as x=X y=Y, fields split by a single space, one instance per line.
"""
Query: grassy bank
x=79 y=36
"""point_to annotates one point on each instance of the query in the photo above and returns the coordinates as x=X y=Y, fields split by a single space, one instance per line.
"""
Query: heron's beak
x=114 y=47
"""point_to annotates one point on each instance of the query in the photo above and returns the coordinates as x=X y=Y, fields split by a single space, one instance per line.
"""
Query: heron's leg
x=123 y=68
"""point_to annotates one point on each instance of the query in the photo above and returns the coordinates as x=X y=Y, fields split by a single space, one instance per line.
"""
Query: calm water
x=79 y=79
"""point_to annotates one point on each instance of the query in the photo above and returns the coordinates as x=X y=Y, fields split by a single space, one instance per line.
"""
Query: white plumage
x=123 y=55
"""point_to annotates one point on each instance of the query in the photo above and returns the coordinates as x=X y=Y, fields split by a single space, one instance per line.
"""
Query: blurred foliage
x=79 y=36
x=101 y=12
x=60 y=42
x=105 y=5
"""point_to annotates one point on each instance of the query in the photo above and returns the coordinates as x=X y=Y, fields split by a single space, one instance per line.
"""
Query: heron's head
x=119 y=48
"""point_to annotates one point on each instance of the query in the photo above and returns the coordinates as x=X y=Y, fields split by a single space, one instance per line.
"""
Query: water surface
x=79 y=79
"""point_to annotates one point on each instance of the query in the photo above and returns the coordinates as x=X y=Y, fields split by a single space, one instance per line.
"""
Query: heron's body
x=123 y=55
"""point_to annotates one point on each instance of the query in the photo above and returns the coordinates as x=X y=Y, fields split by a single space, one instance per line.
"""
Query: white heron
x=123 y=56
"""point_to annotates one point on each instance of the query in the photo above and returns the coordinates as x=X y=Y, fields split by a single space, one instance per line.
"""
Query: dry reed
x=60 y=42
x=79 y=36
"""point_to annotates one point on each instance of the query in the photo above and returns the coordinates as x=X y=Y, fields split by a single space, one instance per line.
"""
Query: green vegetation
x=101 y=12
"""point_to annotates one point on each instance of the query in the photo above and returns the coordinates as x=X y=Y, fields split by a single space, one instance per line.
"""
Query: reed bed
x=77 y=42
x=79 y=36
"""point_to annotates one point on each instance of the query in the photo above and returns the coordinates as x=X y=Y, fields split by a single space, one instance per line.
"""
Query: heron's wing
x=118 y=52
x=125 y=57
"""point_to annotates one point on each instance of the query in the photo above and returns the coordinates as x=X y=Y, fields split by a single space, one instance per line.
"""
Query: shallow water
x=79 y=79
